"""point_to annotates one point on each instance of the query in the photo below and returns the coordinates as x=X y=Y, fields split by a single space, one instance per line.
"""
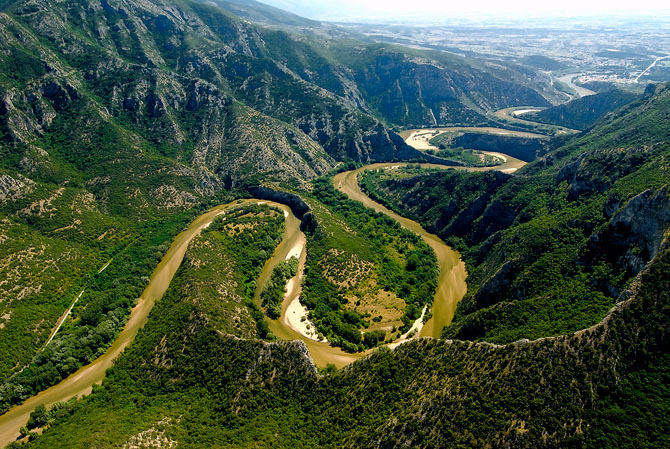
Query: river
x=451 y=276
x=294 y=243
x=82 y=381
x=451 y=287
x=580 y=91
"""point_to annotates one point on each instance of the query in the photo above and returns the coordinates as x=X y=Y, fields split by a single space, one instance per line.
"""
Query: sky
x=352 y=9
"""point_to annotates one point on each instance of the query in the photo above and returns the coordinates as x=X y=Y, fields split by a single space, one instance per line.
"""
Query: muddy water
x=451 y=288
x=451 y=277
x=81 y=382
x=580 y=91
x=322 y=353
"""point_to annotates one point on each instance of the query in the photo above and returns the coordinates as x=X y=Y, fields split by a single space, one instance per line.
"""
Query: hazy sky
x=339 y=9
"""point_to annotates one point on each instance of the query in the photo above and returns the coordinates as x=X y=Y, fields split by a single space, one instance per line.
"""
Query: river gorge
x=451 y=286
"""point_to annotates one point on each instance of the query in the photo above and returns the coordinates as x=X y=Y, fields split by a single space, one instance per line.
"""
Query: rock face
x=596 y=171
x=236 y=101
x=297 y=204
x=496 y=287
x=526 y=149
x=414 y=91
x=635 y=234
x=115 y=113
x=569 y=230
x=584 y=112
x=12 y=188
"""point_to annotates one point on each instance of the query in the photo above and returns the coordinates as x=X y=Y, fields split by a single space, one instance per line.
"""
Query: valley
x=578 y=90
x=451 y=287
x=81 y=382
x=226 y=225
x=509 y=116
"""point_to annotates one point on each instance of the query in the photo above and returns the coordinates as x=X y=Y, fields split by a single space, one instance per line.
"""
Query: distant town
x=617 y=51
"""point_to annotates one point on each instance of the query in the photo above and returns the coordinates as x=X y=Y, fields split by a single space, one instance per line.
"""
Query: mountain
x=189 y=380
x=121 y=121
x=118 y=115
x=550 y=249
x=304 y=7
x=265 y=14
x=583 y=112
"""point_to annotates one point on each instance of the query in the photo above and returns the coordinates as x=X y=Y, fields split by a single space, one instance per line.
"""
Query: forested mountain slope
x=583 y=112
x=123 y=116
x=121 y=120
x=186 y=381
x=573 y=246
x=550 y=248
x=265 y=14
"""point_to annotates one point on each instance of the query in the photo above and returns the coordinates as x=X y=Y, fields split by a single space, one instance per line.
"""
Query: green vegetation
x=452 y=195
x=583 y=112
x=542 y=62
x=634 y=414
x=543 y=248
x=221 y=267
x=108 y=297
x=104 y=137
x=362 y=265
x=274 y=290
x=507 y=120
x=125 y=120
x=524 y=148
x=181 y=376
x=98 y=315
x=471 y=158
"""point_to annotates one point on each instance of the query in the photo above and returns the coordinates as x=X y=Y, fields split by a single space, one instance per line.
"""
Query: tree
x=39 y=417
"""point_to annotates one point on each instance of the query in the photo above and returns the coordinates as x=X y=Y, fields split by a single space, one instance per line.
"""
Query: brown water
x=451 y=276
x=322 y=353
x=82 y=381
x=451 y=287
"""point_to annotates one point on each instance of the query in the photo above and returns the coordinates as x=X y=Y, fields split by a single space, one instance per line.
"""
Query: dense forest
x=558 y=392
x=122 y=121
x=550 y=249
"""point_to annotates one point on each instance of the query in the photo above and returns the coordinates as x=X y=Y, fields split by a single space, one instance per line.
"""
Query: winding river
x=451 y=288
x=451 y=275
x=82 y=381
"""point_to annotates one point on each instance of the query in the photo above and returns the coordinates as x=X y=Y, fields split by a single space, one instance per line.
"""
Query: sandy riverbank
x=295 y=315
x=413 y=331
x=519 y=112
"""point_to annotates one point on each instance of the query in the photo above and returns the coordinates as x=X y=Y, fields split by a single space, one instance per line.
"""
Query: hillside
x=583 y=112
x=549 y=249
x=586 y=270
x=266 y=14
x=186 y=383
x=121 y=119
